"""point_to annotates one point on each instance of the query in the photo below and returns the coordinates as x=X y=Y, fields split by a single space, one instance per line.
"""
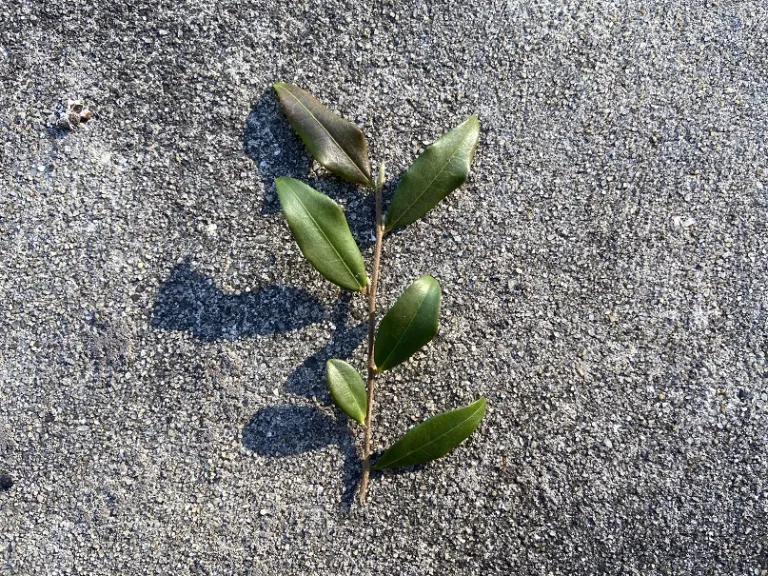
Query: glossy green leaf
x=320 y=228
x=335 y=142
x=433 y=438
x=347 y=389
x=441 y=168
x=409 y=324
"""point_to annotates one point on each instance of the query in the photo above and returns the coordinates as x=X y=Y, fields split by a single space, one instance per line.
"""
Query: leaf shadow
x=276 y=150
x=308 y=379
x=190 y=301
x=395 y=471
x=280 y=431
x=274 y=147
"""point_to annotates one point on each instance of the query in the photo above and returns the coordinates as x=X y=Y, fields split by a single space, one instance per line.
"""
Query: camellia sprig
x=320 y=228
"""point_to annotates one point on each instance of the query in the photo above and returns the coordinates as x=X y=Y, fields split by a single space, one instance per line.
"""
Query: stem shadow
x=279 y=431
x=308 y=379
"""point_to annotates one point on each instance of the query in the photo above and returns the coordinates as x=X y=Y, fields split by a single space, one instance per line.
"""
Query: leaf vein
x=319 y=228
x=424 y=446
x=426 y=189
x=329 y=134
x=402 y=335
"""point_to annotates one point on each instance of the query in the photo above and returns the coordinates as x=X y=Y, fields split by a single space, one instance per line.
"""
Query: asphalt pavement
x=162 y=342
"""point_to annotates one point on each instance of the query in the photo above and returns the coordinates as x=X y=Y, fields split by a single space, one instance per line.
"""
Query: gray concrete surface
x=162 y=408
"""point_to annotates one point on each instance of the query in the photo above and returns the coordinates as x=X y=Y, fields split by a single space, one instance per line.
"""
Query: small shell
x=75 y=106
x=71 y=115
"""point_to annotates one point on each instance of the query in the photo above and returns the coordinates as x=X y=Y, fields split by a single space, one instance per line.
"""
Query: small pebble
x=6 y=482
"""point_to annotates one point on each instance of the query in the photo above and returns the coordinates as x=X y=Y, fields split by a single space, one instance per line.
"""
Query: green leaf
x=433 y=438
x=322 y=233
x=441 y=168
x=335 y=142
x=409 y=324
x=347 y=389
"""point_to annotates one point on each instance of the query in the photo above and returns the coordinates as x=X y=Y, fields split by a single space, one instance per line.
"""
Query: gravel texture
x=162 y=405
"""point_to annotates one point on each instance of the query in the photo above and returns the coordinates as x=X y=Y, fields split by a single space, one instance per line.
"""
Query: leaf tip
x=474 y=125
x=481 y=404
x=432 y=285
x=282 y=187
x=431 y=279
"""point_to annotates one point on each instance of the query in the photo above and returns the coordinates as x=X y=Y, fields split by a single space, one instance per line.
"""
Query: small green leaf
x=347 y=389
x=409 y=324
x=441 y=168
x=335 y=142
x=433 y=438
x=322 y=233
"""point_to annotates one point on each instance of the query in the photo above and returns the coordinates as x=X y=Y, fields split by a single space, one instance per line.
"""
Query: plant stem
x=371 y=332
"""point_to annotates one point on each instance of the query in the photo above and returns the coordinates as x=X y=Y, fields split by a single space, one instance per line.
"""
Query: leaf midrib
x=361 y=407
x=331 y=244
x=424 y=447
x=329 y=134
x=421 y=305
x=419 y=197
